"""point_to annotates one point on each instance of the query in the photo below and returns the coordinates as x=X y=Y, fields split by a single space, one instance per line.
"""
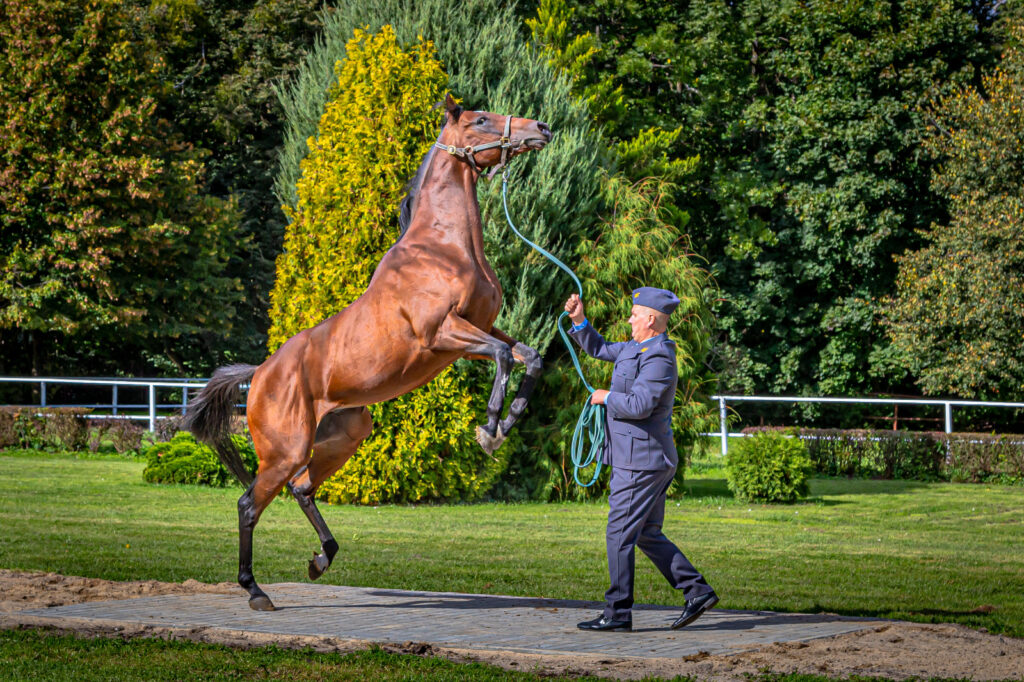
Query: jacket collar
x=634 y=348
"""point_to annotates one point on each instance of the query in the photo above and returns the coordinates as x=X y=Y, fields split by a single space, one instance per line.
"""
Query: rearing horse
x=432 y=300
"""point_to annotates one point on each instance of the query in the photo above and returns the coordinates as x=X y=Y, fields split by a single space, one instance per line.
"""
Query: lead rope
x=591 y=422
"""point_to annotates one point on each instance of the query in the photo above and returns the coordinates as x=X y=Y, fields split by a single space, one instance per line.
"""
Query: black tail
x=209 y=416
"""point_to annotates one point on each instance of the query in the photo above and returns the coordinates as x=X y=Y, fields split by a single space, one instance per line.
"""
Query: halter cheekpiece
x=469 y=153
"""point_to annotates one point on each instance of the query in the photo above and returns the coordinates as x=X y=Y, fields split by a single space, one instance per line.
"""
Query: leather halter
x=469 y=153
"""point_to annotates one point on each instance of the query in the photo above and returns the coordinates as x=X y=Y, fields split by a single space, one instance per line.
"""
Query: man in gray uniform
x=642 y=455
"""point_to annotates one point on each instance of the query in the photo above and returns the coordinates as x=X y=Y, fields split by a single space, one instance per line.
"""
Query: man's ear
x=454 y=110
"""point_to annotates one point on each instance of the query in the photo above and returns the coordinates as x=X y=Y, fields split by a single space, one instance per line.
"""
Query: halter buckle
x=451 y=149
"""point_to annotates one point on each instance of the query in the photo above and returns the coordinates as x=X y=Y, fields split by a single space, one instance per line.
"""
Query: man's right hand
x=574 y=306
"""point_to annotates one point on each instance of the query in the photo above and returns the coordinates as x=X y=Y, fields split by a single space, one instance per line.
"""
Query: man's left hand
x=598 y=397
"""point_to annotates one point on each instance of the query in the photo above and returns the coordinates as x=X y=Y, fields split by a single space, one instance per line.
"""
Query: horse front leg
x=534 y=364
x=458 y=334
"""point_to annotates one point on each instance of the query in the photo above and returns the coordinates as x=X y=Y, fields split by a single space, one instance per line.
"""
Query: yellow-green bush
x=378 y=123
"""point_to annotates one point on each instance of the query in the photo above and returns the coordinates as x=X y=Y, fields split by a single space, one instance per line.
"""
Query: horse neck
x=446 y=208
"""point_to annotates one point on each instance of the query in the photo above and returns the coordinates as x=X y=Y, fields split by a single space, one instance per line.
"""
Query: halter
x=469 y=153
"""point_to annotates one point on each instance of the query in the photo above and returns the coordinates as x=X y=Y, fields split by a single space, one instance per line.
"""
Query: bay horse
x=432 y=300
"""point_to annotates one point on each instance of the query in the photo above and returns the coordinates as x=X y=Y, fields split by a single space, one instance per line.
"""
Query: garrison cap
x=659 y=299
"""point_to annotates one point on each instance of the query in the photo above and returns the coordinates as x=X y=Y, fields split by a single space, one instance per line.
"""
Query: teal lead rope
x=590 y=425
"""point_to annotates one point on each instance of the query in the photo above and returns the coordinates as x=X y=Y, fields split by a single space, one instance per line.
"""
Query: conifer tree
x=374 y=131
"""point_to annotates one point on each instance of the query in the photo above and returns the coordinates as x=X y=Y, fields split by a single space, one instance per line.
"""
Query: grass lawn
x=895 y=549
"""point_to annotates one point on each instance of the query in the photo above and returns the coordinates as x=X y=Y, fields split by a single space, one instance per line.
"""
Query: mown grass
x=28 y=655
x=896 y=549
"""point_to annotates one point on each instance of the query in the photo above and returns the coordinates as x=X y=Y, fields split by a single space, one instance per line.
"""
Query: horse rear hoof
x=317 y=565
x=261 y=603
x=488 y=442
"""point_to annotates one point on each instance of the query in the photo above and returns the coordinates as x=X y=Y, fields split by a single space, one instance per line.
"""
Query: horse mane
x=408 y=203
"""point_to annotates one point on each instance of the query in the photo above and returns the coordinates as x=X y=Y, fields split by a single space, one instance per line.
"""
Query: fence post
x=113 y=403
x=724 y=426
x=152 y=407
x=949 y=418
x=42 y=394
x=184 y=399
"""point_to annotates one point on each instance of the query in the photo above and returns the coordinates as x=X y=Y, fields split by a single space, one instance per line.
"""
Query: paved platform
x=462 y=621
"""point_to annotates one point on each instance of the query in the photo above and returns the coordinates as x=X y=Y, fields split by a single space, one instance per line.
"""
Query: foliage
x=184 y=460
x=919 y=456
x=771 y=466
x=805 y=120
x=985 y=458
x=958 y=311
x=223 y=59
x=374 y=131
x=105 y=230
x=876 y=454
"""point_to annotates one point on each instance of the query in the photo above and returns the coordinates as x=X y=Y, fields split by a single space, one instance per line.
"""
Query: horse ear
x=454 y=110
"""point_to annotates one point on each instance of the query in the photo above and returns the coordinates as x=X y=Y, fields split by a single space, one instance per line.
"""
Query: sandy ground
x=897 y=650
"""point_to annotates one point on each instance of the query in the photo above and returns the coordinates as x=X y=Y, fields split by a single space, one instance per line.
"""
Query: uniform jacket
x=638 y=408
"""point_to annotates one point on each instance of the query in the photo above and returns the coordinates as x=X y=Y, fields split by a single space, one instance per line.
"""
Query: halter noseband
x=469 y=153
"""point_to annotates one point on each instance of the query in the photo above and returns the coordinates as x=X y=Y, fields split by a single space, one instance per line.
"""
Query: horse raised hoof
x=317 y=565
x=261 y=602
x=488 y=442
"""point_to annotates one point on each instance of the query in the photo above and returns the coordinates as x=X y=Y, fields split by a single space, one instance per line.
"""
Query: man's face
x=641 y=320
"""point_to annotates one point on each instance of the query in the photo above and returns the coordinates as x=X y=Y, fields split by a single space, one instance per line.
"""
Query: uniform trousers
x=635 y=517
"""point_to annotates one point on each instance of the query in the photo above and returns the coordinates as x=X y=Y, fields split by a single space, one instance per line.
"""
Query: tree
x=958 y=311
x=805 y=119
x=106 y=232
x=222 y=62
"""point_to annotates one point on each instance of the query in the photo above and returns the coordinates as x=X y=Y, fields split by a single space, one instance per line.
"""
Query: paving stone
x=467 y=621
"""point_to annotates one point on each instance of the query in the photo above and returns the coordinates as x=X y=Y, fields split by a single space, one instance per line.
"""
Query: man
x=642 y=455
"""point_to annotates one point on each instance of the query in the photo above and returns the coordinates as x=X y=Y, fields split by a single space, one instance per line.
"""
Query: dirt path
x=897 y=650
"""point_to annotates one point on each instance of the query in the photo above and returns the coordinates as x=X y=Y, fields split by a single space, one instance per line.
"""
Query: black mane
x=408 y=203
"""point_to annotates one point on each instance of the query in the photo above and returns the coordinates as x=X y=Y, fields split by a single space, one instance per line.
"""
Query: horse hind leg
x=337 y=438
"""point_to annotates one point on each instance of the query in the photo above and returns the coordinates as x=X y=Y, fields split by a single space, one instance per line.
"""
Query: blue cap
x=662 y=300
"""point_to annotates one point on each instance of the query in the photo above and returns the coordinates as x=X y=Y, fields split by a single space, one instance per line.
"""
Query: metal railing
x=948 y=406
x=116 y=407
x=153 y=386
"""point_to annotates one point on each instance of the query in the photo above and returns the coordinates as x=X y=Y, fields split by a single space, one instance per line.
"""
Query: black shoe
x=695 y=608
x=603 y=624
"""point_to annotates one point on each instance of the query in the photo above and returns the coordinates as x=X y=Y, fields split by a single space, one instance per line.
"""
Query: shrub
x=67 y=427
x=876 y=454
x=125 y=435
x=983 y=458
x=771 y=466
x=183 y=460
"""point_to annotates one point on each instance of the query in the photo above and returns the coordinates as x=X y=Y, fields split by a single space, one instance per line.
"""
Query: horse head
x=486 y=140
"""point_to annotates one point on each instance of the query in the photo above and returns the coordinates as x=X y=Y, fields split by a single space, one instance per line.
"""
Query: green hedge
x=922 y=456
x=183 y=460
x=771 y=466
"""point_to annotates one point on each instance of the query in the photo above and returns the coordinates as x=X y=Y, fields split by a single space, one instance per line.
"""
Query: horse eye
x=480 y=121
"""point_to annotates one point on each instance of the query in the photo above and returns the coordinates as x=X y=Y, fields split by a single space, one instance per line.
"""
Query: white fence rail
x=948 y=405
x=155 y=386
x=116 y=408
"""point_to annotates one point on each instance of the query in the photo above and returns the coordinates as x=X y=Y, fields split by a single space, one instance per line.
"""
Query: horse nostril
x=545 y=130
